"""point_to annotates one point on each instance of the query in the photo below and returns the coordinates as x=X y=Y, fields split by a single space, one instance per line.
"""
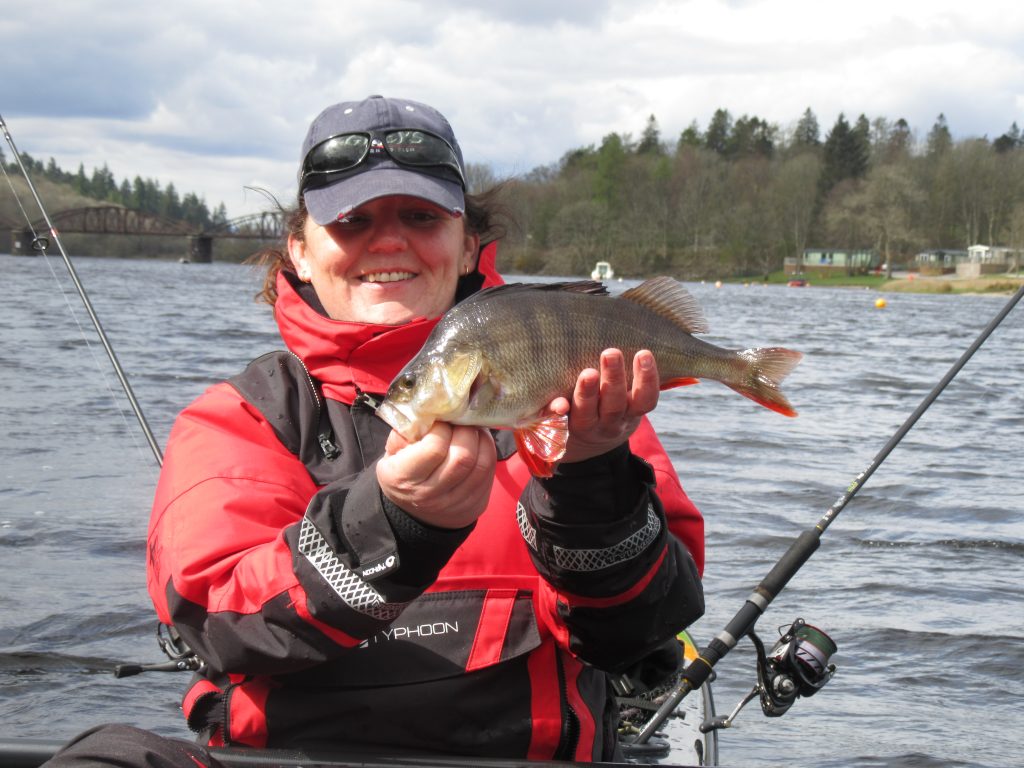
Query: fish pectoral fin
x=682 y=381
x=541 y=444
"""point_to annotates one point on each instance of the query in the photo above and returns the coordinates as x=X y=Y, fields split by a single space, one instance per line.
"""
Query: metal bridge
x=117 y=220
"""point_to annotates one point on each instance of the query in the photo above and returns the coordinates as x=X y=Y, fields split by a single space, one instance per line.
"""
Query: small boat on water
x=798 y=282
x=602 y=271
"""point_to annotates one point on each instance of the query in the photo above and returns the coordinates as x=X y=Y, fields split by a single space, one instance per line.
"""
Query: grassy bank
x=1003 y=284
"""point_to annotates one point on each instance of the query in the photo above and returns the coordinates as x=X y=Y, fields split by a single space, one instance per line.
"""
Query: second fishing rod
x=775 y=702
x=40 y=243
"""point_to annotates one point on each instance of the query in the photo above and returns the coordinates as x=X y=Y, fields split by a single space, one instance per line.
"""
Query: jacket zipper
x=324 y=431
x=570 y=735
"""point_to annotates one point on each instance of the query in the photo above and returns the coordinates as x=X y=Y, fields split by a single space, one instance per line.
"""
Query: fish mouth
x=405 y=425
x=387 y=276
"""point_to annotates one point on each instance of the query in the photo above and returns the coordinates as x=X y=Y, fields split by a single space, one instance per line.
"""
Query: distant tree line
x=740 y=196
x=145 y=195
x=736 y=198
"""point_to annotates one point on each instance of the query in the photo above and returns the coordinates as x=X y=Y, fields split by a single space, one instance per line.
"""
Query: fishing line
x=742 y=624
x=40 y=244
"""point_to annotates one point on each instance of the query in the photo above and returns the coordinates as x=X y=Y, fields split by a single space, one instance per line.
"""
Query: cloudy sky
x=216 y=97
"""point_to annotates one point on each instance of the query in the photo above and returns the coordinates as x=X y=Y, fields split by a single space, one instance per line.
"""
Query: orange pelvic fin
x=541 y=444
x=682 y=381
x=768 y=367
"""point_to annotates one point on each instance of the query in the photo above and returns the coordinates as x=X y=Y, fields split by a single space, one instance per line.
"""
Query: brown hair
x=485 y=216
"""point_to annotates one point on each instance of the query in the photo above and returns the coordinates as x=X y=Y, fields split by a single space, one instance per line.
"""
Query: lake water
x=919 y=581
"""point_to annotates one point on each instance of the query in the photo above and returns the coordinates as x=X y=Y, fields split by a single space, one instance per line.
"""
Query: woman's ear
x=471 y=248
x=300 y=262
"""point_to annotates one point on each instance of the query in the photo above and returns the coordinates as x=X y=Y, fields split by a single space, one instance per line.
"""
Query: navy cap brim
x=330 y=203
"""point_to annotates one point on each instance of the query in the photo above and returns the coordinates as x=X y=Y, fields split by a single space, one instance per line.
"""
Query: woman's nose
x=387 y=235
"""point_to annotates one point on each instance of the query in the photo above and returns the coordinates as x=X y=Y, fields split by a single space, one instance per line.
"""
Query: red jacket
x=327 y=616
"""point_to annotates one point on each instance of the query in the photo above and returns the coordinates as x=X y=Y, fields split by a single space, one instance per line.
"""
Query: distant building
x=989 y=259
x=939 y=261
x=827 y=261
x=990 y=254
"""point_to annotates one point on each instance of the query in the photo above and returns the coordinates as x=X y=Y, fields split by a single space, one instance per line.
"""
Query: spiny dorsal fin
x=664 y=296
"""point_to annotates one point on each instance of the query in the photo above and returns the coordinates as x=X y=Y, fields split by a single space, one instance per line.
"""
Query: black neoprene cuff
x=423 y=549
x=604 y=488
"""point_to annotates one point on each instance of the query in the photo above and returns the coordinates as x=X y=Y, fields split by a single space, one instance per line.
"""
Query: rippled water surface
x=920 y=579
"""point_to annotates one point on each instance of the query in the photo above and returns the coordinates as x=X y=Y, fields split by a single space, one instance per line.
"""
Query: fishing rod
x=40 y=244
x=798 y=664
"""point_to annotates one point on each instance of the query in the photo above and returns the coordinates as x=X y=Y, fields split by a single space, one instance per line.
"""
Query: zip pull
x=367 y=400
x=325 y=436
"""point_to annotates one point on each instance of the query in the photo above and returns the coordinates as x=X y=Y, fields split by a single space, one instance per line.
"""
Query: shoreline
x=996 y=284
x=907 y=282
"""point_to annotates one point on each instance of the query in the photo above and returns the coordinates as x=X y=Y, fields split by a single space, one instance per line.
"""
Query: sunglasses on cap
x=412 y=148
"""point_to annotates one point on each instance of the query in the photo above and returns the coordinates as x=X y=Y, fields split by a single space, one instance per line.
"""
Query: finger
x=585 y=399
x=395 y=443
x=419 y=460
x=646 y=383
x=559 y=406
x=463 y=455
x=614 y=395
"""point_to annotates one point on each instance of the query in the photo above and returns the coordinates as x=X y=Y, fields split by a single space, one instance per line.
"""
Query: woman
x=345 y=587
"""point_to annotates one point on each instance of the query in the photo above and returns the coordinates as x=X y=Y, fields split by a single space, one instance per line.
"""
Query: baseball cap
x=389 y=164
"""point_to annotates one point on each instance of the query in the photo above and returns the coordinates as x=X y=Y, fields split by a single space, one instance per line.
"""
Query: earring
x=305 y=275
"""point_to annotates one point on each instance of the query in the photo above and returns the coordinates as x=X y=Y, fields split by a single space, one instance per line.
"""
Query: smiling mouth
x=387 y=277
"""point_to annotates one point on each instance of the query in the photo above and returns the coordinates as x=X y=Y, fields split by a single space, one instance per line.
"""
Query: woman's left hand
x=605 y=410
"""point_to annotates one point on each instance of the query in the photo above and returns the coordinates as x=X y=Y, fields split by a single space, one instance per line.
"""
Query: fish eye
x=406 y=381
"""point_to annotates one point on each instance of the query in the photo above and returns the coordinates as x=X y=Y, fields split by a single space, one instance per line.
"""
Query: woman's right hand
x=443 y=479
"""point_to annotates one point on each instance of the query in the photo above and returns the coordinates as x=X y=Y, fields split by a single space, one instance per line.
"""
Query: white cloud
x=215 y=97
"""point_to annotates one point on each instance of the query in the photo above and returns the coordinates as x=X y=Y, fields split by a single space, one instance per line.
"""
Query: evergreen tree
x=751 y=136
x=1008 y=141
x=940 y=140
x=127 y=199
x=845 y=155
x=717 y=136
x=611 y=158
x=650 y=140
x=862 y=139
x=901 y=139
x=80 y=183
x=170 y=203
x=807 y=133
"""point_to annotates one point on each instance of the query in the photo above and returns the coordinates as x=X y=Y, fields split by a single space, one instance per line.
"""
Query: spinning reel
x=797 y=665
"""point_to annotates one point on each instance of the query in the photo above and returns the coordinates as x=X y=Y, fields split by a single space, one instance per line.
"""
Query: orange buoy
x=880 y=303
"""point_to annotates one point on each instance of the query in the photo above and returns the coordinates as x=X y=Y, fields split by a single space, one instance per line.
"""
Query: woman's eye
x=420 y=217
x=352 y=221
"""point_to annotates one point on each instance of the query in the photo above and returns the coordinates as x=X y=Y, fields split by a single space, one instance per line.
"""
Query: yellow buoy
x=880 y=303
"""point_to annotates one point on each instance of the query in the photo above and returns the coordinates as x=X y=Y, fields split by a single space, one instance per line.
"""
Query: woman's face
x=389 y=261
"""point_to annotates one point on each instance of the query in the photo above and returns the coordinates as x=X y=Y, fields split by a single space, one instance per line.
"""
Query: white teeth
x=387 y=277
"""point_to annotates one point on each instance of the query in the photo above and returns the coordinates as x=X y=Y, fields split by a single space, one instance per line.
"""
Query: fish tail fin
x=766 y=368
x=541 y=444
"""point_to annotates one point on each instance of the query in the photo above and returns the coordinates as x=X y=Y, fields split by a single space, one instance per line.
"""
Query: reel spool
x=797 y=665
